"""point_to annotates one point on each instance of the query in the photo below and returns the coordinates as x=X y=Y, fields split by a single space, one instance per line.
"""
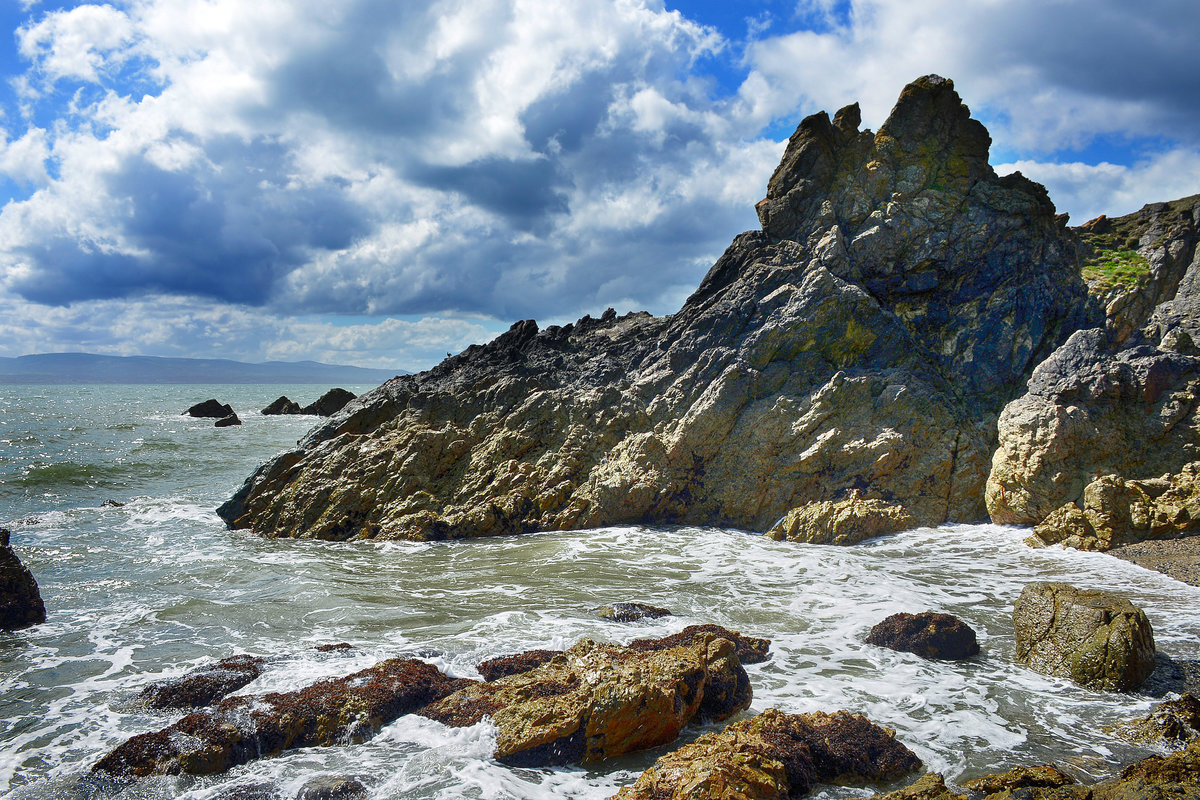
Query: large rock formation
x=20 y=601
x=897 y=296
x=1100 y=449
x=1094 y=638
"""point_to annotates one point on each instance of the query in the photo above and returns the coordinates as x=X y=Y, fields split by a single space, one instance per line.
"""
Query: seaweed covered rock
x=1094 y=638
x=750 y=649
x=596 y=701
x=774 y=756
x=631 y=612
x=930 y=786
x=202 y=686
x=1044 y=776
x=841 y=522
x=897 y=296
x=503 y=666
x=20 y=601
x=1173 y=723
x=241 y=729
x=1117 y=403
x=928 y=635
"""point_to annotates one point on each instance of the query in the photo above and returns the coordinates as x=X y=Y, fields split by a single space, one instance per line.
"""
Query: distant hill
x=87 y=368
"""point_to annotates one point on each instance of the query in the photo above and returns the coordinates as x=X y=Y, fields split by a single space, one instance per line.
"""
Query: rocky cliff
x=1103 y=447
x=898 y=294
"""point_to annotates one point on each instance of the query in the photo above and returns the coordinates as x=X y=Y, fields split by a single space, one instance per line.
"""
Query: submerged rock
x=329 y=403
x=225 y=422
x=21 y=603
x=774 y=756
x=841 y=522
x=928 y=635
x=897 y=296
x=1094 y=638
x=280 y=406
x=211 y=409
x=631 y=612
x=241 y=729
x=596 y=701
x=203 y=686
x=335 y=787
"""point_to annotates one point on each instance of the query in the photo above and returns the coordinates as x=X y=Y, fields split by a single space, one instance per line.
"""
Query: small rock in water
x=1173 y=723
x=251 y=791
x=203 y=686
x=225 y=422
x=340 y=647
x=928 y=635
x=333 y=787
x=329 y=404
x=631 y=612
x=211 y=409
x=20 y=601
x=1096 y=639
x=281 y=406
x=112 y=504
x=1044 y=777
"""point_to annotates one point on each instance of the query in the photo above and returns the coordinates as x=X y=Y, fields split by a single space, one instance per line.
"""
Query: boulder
x=211 y=409
x=774 y=756
x=225 y=422
x=280 y=406
x=930 y=786
x=631 y=612
x=842 y=522
x=244 y=728
x=898 y=294
x=1096 y=639
x=1173 y=723
x=335 y=787
x=597 y=701
x=329 y=403
x=928 y=635
x=750 y=649
x=21 y=603
x=1115 y=403
x=203 y=686
x=1045 y=776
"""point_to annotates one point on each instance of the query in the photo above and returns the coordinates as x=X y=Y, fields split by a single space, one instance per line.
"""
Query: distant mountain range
x=87 y=368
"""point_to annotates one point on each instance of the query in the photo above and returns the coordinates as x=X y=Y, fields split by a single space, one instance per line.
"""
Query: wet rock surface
x=228 y=422
x=1044 y=776
x=495 y=668
x=336 y=787
x=241 y=729
x=750 y=649
x=21 y=603
x=928 y=634
x=596 y=701
x=202 y=686
x=631 y=612
x=776 y=755
x=1094 y=638
x=898 y=295
x=842 y=522
x=211 y=408
x=1173 y=723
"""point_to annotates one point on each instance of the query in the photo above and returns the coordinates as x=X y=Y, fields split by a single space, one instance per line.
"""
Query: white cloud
x=78 y=43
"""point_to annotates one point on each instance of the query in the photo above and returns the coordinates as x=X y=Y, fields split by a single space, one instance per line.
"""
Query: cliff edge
x=859 y=346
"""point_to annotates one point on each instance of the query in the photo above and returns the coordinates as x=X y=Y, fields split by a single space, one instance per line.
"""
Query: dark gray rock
x=225 y=422
x=928 y=635
x=631 y=612
x=329 y=403
x=211 y=409
x=280 y=406
x=898 y=295
x=334 y=787
x=203 y=686
x=21 y=603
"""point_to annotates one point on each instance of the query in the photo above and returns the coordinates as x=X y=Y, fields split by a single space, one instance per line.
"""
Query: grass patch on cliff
x=1111 y=269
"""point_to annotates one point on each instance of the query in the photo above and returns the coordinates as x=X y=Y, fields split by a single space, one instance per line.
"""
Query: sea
x=149 y=589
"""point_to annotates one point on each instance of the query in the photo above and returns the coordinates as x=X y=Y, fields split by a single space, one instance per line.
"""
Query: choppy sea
x=147 y=590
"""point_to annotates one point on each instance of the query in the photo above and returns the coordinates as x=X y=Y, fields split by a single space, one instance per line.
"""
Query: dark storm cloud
x=521 y=192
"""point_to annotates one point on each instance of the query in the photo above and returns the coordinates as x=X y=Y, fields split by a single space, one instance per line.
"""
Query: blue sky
x=380 y=183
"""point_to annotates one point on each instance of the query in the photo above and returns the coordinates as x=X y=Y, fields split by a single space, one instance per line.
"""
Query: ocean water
x=148 y=590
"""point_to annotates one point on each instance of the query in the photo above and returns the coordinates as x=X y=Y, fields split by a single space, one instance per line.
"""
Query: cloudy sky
x=379 y=183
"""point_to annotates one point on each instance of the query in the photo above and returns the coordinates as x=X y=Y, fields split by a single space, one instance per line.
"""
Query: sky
x=381 y=183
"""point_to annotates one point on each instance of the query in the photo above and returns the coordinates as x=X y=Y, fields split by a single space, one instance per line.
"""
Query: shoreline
x=1175 y=558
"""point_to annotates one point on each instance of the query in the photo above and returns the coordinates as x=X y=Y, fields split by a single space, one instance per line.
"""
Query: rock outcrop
x=1171 y=724
x=1094 y=638
x=841 y=522
x=240 y=729
x=928 y=635
x=596 y=701
x=210 y=409
x=203 y=686
x=897 y=296
x=775 y=756
x=329 y=403
x=21 y=603
x=1109 y=424
x=281 y=406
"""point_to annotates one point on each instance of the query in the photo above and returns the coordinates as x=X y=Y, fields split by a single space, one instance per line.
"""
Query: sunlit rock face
x=897 y=296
